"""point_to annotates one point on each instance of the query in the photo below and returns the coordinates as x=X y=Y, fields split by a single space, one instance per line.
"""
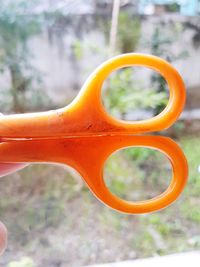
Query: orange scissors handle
x=86 y=115
x=83 y=134
x=88 y=156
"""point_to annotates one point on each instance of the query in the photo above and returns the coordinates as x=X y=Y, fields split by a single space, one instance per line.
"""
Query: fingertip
x=3 y=238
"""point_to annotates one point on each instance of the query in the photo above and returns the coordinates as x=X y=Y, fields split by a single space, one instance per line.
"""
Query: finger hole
x=135 y=93
x=137 y=173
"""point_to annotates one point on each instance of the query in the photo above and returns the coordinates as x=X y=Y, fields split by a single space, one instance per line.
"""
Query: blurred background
x=47 y=50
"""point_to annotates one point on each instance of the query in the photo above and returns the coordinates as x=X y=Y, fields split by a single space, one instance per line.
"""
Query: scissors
x=83 y=135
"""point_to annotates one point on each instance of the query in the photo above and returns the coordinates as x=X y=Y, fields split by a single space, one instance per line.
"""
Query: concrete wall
x=63 y=72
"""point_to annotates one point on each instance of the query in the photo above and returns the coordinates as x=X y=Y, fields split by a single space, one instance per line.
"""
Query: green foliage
x=78 y=49
x=80 y=46
x=159 y=45
x=118 y=175
x=174 y=7
x=190 y=208
x=139 y=155
x=130 y=172
x=191 y=212
x=163 y=36
x=122 y=95
x=191 y=148
x=144 y=242
x=24 y=262
x=17 y=25
x=128 y=32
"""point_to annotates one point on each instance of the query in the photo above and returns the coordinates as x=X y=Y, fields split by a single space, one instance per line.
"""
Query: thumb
x=3 y=238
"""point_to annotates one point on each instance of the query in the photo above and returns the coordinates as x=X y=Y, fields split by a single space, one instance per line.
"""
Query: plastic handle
x=91 y=94
x=88 y=156
x=164 y=145
x=83 y=134
x=121 y=130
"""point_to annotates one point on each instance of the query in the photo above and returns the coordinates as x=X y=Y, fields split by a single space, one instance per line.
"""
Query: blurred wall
x=66 y=59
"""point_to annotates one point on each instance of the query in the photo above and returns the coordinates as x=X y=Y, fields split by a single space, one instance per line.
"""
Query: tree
x=17 y=25
x=162 y=39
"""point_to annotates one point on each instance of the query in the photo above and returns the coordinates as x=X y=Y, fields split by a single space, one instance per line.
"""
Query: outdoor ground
x=57 y=222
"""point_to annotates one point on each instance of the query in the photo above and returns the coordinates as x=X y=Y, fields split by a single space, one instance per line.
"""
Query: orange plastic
x=83 y=134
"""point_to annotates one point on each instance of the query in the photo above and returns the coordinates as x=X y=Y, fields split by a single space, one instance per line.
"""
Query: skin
x=3 y=238
x=5 y=169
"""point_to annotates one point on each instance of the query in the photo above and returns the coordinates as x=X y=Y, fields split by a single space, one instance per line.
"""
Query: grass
x=52 y=217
